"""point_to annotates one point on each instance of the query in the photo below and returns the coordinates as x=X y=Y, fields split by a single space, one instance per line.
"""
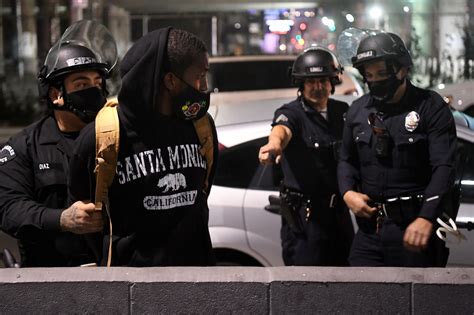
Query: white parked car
x=244 y=233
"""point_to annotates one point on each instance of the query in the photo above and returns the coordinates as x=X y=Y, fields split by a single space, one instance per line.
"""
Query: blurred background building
x=439 y=33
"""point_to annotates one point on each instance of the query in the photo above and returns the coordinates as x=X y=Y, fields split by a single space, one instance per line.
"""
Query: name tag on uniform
x=43 y=166
x=49 y=166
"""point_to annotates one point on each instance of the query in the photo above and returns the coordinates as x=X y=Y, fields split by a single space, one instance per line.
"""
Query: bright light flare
x=375 y=12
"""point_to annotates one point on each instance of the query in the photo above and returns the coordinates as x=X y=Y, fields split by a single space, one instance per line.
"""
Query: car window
x=250 y=75
x=465 y=170
x=267 y=177
x=238 y=167
x=238 y=164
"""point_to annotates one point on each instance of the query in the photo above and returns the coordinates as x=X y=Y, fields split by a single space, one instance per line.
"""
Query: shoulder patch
x=281 y=118
x=6 y=154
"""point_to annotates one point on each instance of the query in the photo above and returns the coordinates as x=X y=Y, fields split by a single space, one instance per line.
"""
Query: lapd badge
x=411 y=121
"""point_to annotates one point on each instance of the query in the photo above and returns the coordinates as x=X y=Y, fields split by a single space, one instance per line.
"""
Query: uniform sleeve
x=81 y=179
x=286 y=117
x=442 y=148
x=19 y=211
x=347 y=168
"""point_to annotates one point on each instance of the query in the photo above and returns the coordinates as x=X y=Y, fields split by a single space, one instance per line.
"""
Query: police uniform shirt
x=421 y=150
x=309 y=162
x=33 y=193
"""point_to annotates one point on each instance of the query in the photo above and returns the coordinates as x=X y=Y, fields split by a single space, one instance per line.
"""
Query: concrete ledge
x=254 y=290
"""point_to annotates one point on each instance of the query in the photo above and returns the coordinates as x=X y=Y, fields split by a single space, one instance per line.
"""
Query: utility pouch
x=290 y=203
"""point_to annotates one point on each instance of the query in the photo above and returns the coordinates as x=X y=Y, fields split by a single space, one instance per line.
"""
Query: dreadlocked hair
x=182 y=49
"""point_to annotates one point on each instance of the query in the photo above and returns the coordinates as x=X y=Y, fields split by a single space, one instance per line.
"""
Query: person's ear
x=170 y=81
x=402 y=73
x=55 y=96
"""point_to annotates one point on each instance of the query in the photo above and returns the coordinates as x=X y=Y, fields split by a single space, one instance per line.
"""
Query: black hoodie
x=158 y=208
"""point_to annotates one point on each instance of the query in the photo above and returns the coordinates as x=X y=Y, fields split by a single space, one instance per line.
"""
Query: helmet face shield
x=84 y=45
x=385 y=46
x=359 y=46
x=348 y=42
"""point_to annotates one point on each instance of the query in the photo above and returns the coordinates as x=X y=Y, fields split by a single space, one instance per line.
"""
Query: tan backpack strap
x=107 y=147
x=206 y=138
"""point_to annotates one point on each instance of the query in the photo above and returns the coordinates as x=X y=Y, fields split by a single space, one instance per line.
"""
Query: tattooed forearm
x=80 y=218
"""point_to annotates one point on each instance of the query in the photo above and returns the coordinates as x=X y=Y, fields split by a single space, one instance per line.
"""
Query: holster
x=290 y=204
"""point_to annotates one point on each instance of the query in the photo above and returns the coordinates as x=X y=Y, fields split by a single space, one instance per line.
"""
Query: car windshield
x=250 y=75
x=235 y=74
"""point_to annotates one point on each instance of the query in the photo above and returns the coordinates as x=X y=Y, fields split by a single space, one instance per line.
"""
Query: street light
x=349 y=18
x=375 y=13
x=329 y=23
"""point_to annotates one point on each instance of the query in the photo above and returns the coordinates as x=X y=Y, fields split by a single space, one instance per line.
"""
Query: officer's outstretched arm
x=277 y=142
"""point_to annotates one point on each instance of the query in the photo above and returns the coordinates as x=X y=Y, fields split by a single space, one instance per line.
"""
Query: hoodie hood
x=141 y=71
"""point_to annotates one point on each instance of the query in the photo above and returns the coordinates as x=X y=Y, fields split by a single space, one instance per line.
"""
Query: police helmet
x=64 y=59
x=382 y=46
x=316 y=62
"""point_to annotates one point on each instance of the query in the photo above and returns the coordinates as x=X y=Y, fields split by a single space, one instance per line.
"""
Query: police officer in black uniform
x=397 y=158
x=34 y=163
x=316 y=227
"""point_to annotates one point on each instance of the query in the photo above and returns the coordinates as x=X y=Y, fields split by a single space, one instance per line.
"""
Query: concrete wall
x=255 y=290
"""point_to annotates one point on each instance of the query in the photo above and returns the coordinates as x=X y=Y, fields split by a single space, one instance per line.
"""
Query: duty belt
x=402 y=210
x=293 y=200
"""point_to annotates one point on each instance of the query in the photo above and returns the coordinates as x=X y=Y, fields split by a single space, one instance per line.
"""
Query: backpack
x=107 y=134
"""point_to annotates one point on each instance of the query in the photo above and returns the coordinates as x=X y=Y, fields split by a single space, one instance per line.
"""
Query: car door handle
x=273 y=209
x=274 y=206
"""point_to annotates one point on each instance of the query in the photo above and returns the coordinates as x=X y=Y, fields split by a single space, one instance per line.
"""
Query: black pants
x=326 y=240
x=386 y=248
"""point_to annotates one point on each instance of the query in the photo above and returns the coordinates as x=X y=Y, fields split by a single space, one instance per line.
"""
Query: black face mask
x=191 y=104
x=85 y=103
x=384 y=90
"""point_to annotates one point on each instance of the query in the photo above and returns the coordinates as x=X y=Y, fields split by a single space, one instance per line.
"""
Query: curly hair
x=181 y=51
